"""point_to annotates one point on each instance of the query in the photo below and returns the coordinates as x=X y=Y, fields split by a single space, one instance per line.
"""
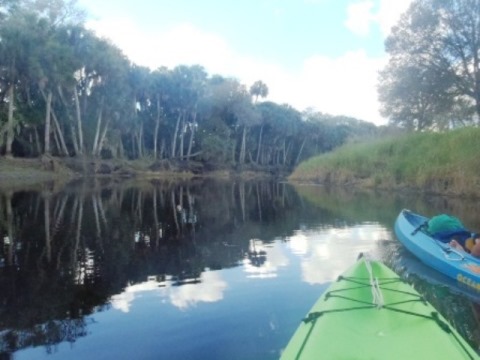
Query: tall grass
x=435 y=162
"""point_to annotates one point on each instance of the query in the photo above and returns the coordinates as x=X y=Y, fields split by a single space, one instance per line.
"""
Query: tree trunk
x=241 y=158
x=97 y=132
x=192 y=135
x=134 y=155
x=139 y=141
x=174 y=138
x=63 y=146
x=286 y=151
x=76 y=148
x=59 y=138
x=234 y=148
x=57 y=142
x=300 y=151
x=11 y=105
x=47 y=123
x=102 y=138
x=70 y=120
x=138 y=130
x=79 y=121
x=157 y=127
x=162 y=149
x=182 y=135
x=37 y=141
x=259 y=144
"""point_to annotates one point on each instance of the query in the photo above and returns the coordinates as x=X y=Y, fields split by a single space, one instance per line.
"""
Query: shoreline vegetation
x=35 y=173
x=434 y=163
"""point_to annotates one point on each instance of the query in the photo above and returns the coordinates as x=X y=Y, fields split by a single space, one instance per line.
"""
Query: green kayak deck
x=370 y=313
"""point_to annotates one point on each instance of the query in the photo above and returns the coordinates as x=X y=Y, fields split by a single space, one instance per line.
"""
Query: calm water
x=195 y=270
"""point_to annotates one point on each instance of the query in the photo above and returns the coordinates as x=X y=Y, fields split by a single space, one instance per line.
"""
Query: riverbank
x=21 y=173
x=433 y=163
x=436 y=163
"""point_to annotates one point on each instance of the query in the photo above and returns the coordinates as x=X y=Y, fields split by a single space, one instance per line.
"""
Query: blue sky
x=323 y=54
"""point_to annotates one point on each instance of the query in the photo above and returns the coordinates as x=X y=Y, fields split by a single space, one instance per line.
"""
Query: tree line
x=432 y=80
x=66 y=92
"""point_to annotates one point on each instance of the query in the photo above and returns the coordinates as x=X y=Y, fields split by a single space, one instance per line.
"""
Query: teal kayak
x=371 y=313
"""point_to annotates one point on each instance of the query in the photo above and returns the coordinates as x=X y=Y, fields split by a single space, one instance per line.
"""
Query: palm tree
x=259 y=88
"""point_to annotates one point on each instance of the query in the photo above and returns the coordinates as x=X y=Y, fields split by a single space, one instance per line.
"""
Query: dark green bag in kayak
x=445 y=226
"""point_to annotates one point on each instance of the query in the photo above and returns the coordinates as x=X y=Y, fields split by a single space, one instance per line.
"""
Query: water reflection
x=178 y=258
x=209 y=287
x=264 y=260
x=339 y=247
x=64 y=255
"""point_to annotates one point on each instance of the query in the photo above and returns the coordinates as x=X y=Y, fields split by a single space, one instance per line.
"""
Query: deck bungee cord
x=377 y=311
x=377 y=302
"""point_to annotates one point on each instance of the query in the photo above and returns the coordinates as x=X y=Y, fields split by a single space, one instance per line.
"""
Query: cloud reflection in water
x=209 y=288
x=264 y=260
x=331 y=251
x=323 y=254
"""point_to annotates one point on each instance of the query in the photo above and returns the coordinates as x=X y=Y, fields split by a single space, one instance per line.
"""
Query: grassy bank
x=17 y=173
x=442 y=163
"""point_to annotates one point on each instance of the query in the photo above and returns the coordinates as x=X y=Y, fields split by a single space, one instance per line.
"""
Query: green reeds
x=435 y=162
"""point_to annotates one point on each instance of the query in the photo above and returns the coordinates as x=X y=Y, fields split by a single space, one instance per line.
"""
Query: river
x=199 y=269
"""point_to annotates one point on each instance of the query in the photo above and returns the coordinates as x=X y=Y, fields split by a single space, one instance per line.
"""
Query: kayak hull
x=356 y=319
x=455 y=264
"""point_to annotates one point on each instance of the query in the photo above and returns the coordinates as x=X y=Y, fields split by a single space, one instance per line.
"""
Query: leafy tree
x=108 y=94
x=225 y=98
x=138 y=78
x=188 y=85
x=433 y=74
x=15 y=40
x=282 y=123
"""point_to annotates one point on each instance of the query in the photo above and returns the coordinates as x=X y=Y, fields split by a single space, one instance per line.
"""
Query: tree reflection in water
x=64 y=254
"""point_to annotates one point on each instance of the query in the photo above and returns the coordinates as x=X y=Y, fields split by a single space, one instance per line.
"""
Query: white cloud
x=359 y=17
x=343 y=85
x=182 y=44
x=389 y=13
